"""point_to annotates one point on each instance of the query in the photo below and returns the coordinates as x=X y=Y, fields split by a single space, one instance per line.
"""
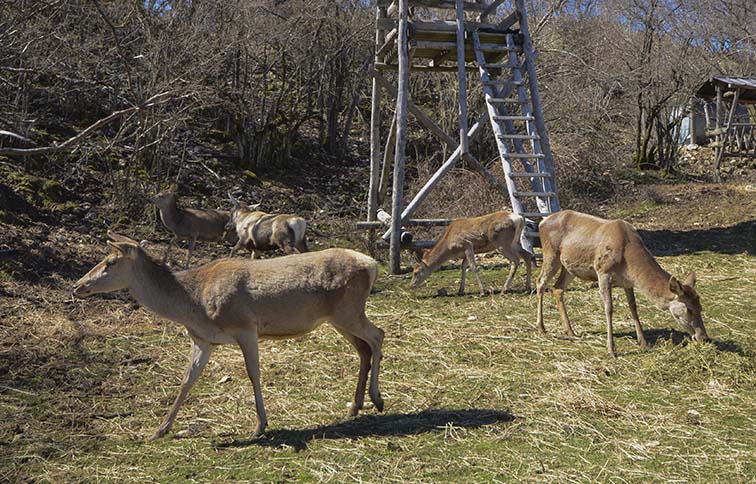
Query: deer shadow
x=679 y=338
x=398 y=424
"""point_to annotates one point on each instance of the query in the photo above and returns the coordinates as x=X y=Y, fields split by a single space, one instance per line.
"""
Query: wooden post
x=719 y=139
x=462 y=78
x=375 y=130
x=725 y=136
x=388 y=160
x=692 y=122
x=401 y=140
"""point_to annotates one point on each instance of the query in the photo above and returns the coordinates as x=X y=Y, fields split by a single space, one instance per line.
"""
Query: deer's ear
x=128 y=249
x=120 y=238
x=675 y=286
x=690 y=280
x=173 y=187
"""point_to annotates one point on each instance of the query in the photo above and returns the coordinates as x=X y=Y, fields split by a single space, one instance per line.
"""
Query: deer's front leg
x=630 y=293
x=168 y=249
x=248 y=344
x=605 y=288
x=470 y=254
x=461 y=290
x=201 y=352
x=192 y=243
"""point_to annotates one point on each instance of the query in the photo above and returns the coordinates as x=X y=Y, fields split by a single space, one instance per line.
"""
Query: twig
x=71 y=142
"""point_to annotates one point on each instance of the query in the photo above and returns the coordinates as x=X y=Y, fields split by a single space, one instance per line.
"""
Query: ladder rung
x=534 y=194
x=519 y=136
x=514 y=118
x=525 y=155
x=500 y=65
x=501 y=82
x=494 y=48
x=522 y=174
x=534 y=214
x=502 y=100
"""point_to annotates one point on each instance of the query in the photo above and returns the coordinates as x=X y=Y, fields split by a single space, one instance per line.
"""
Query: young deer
x=236 y=301
x=259 y=231
x=189 y=223
x=466 y=237
x=612 y=253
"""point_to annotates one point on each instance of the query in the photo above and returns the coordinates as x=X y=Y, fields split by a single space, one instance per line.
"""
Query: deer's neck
x=436 y=256
x=170 y=213
x=155 y=287
x=649 y=277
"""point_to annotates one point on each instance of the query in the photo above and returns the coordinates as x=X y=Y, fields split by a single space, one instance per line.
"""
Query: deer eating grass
x=258 y=231
x=466 y=237
x=612 y=253
x=190 y=224
x=236 y=301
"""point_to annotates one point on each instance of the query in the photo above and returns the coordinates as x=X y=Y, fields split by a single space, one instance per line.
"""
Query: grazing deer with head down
x=612 y=253
x=236 y=301
x=466 y=237
x=190 y=224
x=260 y=231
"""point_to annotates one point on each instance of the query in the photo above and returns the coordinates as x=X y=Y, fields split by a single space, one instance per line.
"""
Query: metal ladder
x=511 y=92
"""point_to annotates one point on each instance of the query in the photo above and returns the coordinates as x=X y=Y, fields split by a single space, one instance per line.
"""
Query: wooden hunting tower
x=502 y=55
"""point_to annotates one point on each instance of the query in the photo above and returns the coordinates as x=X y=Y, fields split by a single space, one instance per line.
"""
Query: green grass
x=473 y=393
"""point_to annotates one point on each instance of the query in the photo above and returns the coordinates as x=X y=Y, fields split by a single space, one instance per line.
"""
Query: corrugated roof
x=747 y=86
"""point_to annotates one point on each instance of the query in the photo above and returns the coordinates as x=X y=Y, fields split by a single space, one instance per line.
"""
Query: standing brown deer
x=612 y=253
x=466 y=237
x=190 y=224
x=258 y=231
x=237 y=301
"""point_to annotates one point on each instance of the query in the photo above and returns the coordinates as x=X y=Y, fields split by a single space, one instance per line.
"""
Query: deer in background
x=466 y=237
x=190 y=224
x=236 y=301
x=258 y=231
x=612 y=253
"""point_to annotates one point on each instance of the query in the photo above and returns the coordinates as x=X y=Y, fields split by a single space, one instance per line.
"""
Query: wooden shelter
x=501 y=55
x=734 y=136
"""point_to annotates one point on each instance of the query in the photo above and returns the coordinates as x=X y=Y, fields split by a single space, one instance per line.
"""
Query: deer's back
x=285 y=295
x=586 y=244
x=484 y=232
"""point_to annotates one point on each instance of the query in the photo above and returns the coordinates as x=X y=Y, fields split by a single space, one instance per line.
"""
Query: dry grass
x=472 y=393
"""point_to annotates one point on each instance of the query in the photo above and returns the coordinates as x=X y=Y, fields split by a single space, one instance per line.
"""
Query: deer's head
x=165 y=197
x=686 y=307
x=238 y=211
x=114 y=272
x=420 y=271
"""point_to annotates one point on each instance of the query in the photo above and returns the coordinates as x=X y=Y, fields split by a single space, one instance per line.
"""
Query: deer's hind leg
x=366 y=354
x=248 y=342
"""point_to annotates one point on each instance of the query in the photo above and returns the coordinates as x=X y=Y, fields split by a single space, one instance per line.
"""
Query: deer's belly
x=580 y=268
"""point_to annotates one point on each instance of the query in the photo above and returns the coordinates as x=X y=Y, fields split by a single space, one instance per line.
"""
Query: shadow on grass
x=679 y=338
x=398 y=424
x=734 y=239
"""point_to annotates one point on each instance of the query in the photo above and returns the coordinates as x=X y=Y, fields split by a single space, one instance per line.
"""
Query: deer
x=240 y=301
x=465 y=237
x=258 y=231
x=190 y=224
x=612 y=253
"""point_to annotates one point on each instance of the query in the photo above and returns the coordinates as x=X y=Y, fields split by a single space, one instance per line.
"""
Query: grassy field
x=473 y=393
